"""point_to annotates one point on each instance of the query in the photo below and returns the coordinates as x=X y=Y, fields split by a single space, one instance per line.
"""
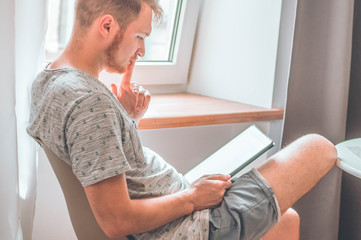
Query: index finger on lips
x=114 y=89
x=128 y=74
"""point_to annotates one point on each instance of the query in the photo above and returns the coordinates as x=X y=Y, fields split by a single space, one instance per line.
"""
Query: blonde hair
x=124 y=11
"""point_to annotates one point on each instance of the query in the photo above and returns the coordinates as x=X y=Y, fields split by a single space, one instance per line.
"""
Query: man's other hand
x=208 y=191
x=135 y=99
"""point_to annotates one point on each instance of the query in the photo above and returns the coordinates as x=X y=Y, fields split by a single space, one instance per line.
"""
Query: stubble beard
x=111 y=63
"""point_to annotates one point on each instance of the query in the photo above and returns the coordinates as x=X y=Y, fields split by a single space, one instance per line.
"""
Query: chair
x=81 y=215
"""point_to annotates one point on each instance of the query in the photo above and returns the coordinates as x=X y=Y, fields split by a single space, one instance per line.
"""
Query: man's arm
x=118 y=215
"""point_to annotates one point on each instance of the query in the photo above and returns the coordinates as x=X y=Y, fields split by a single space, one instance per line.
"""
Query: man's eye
x=140 y=38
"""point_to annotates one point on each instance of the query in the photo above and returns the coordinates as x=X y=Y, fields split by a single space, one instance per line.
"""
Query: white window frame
x=175 y=72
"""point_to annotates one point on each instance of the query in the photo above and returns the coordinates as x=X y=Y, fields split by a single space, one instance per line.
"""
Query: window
x=168 y=49
x=60 y=23
x=160 y=44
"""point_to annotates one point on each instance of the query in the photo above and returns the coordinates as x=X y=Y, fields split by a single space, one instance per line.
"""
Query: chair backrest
x=81 y=215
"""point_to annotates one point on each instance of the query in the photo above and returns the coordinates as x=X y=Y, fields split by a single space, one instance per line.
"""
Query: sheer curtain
x=9 y=211
x=30 y=20
x=21 y=44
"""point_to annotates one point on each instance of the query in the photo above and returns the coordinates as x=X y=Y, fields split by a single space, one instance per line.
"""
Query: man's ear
x=106 y=25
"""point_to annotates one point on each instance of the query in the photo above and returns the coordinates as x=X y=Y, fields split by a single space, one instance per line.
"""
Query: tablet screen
x=234 y=156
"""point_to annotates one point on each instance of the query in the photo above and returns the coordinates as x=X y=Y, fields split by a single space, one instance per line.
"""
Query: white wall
x=235 y=50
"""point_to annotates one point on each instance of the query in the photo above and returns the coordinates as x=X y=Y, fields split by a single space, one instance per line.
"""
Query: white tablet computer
x=234 y=156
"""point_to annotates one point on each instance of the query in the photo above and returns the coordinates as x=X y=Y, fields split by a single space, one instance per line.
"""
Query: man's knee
x=288 y=228
x=320 y=141
x=310 y=150
x=321 y=147
x=291 y=219
x=291 y=225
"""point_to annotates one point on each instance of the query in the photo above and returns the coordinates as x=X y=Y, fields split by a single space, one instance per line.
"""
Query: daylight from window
x=159 y=46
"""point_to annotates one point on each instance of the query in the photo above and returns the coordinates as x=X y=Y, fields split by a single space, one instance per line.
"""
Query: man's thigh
x=296 y=169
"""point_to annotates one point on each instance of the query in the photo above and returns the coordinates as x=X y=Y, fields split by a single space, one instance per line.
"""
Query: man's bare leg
x=296 y=169
x=288 y=228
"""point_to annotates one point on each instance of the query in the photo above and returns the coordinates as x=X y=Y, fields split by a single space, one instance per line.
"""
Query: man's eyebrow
x=143 y=33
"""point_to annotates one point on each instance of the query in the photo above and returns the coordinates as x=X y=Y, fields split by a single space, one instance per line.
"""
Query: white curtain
x=21 y=43
x=9 y=211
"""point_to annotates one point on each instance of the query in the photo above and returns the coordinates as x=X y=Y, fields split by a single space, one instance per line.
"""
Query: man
x=131 y=190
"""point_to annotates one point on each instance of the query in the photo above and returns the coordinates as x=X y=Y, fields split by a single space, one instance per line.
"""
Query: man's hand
x=135 y=99
x=208 y=191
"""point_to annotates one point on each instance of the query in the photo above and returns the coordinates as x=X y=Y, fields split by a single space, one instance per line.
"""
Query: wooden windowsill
x=186 y=110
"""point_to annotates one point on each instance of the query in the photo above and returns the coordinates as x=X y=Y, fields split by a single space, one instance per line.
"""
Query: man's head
x=125 y=11
x=128 y=22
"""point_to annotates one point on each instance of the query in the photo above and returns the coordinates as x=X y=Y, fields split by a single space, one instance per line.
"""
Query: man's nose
x=141 y=49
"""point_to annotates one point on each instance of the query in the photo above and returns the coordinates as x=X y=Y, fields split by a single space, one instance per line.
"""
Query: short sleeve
x=94 y=139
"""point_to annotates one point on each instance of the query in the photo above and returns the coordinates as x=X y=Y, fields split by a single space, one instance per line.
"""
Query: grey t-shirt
x=83 y=123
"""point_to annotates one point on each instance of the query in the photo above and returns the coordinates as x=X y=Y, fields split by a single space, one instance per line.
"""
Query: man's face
x=127 y=46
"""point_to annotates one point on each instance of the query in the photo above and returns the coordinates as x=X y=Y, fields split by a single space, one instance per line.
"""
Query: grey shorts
x=248 y=211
